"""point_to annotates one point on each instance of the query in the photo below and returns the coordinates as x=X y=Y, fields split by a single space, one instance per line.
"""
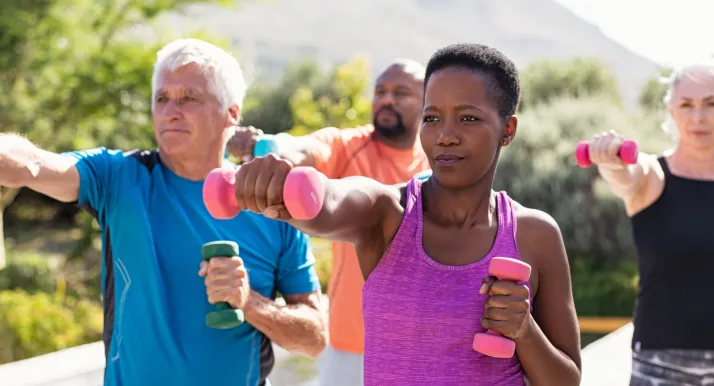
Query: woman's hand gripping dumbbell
x=607 y=149
x=267 y=185
x=507 y=307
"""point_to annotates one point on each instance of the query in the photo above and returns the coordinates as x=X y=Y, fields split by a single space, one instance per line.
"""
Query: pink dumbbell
x=303 y=193
x=628 y=153
x=492 y=343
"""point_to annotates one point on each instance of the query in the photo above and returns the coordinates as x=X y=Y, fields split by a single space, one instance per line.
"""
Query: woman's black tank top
x=675 y=244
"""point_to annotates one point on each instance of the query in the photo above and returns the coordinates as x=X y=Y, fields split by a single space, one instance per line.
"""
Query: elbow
x=320 y=338
x=12 y=180
x=319 y=344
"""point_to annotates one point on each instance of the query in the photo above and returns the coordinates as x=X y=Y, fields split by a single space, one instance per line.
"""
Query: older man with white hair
x=149 y=205
x=388 y=151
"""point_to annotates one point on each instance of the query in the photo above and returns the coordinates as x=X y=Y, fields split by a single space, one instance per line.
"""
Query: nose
x=447 y=138
x=385 y=98
x=170 y=110
x=697 y=114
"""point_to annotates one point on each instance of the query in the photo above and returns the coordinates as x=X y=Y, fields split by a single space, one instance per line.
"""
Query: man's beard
x=393 y=131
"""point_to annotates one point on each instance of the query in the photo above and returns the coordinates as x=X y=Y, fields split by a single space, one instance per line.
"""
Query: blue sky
x=669 y=32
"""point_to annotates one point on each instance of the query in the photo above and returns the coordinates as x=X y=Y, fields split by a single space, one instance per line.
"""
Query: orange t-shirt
x=353 y=152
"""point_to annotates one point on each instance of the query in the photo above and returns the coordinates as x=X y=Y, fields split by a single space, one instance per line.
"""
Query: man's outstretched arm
x=22 y=164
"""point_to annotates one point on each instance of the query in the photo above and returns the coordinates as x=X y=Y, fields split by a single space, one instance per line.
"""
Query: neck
x=403 y=142
x=194 y=168
x=469 y=207
x=694 y=161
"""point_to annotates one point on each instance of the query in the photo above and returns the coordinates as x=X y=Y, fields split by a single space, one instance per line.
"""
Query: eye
x=429 y=119
x=469 y=118
x=685 y=105
x=161 y=99
x=187 y=99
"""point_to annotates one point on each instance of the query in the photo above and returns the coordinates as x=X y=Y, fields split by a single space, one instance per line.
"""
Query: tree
x=547 y=80
x=69 y=82
x=653 y=92
x=268 y=106
x=343 y=104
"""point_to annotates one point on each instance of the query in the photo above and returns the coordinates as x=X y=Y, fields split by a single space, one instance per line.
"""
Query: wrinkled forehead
x=188 y=77
x=696 y=84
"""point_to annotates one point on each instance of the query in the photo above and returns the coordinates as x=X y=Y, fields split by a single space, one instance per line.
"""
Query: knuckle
x=491 y=302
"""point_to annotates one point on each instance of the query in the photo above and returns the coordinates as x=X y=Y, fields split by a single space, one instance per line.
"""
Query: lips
x=173 y=131
x=448 y=159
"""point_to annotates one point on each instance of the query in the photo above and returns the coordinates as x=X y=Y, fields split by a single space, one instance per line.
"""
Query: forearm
x=22 y=164
x=300 y=328
x=353 y=207
x=297 y=150
x=624 y=182
x=18 y=160
x=542 y=362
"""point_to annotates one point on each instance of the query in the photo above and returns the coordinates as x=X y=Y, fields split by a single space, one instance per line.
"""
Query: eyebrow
x=399 y=86
x=188 y=91
x=457 y=108
x=707 y=98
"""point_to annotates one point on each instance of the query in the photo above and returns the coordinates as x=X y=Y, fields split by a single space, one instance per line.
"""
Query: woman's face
x=692 y=108
x=461 y=130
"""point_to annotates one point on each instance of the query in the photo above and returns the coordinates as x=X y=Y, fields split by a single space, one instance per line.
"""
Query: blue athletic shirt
x=153 y=225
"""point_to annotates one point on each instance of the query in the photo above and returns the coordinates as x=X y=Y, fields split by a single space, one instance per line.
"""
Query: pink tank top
x=420 y=316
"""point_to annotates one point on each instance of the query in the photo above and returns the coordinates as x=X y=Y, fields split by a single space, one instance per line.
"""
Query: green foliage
x=73 y=85
x=30 y=272
x=653 y=92
x=343 y=104
x=308 y=99
x=268 y=106
x=538 y=169
x=604 y=290
x=322 y=249
x=35 y=324
x=544 y=81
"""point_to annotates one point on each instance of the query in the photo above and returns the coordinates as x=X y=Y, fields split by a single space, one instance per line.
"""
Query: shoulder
x=360 y=133
x=146 y=158
x=537 y=231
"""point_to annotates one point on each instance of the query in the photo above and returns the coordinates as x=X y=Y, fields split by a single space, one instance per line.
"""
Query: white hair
x=706 y=66
x=226 y=76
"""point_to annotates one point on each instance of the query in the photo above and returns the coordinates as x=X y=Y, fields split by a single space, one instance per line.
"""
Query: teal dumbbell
x=224 y=316
x=265 y=145
x=424 y=175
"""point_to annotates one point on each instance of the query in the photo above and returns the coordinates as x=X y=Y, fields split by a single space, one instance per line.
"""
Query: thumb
x=203 y=269
x=486 y=285
x=277 y=212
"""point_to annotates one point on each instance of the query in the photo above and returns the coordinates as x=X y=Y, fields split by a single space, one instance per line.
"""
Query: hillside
x=269 y=34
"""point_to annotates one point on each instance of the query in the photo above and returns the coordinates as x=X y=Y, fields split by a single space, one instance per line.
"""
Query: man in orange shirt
x=388 y=151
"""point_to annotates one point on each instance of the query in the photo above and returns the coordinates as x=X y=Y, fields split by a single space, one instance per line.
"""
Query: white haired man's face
x=187 y=117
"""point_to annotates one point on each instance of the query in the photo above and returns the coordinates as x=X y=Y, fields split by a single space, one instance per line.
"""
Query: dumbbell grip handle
x=628 y=153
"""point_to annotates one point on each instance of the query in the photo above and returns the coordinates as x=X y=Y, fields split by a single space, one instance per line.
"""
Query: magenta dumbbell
x=628 y=153
x=492 y=343
x=303 y=193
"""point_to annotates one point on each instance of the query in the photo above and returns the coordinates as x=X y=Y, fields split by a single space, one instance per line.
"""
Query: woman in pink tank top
x=425 y=248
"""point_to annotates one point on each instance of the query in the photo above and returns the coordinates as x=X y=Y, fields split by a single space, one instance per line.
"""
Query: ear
x=510 y=133
x=234 y=115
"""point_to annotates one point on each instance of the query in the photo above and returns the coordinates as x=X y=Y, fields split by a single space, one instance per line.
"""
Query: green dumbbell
x=224 y=316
